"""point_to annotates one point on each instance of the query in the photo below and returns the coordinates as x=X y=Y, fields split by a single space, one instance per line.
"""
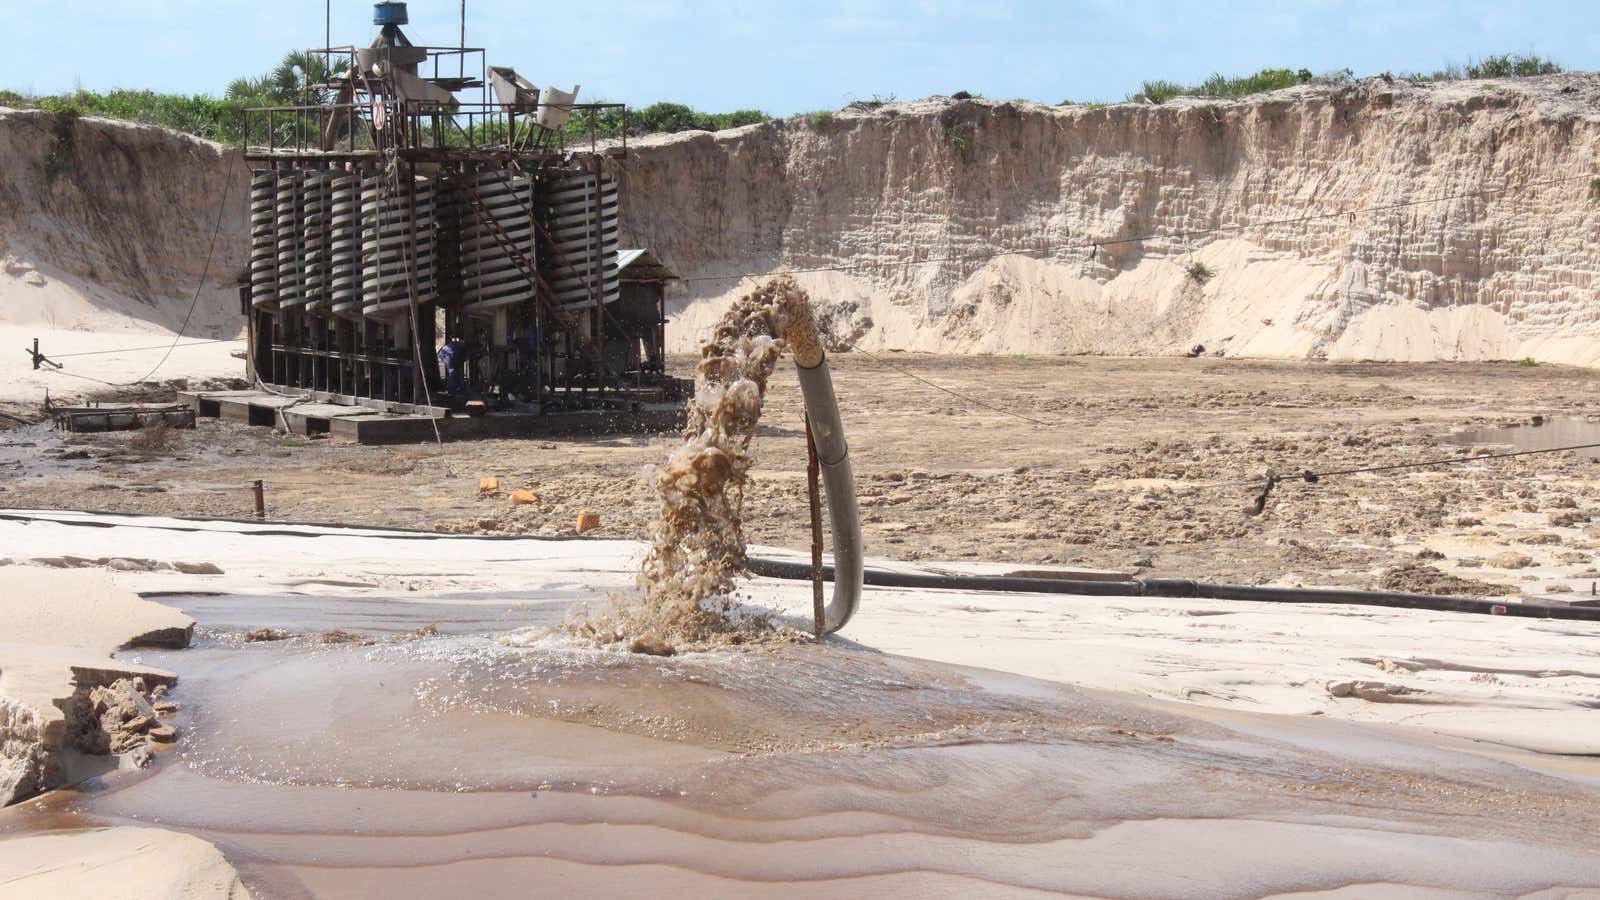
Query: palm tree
x=295 y=81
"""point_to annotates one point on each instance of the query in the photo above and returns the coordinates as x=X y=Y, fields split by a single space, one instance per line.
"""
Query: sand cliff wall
x=1018 y=190
x=104 y=225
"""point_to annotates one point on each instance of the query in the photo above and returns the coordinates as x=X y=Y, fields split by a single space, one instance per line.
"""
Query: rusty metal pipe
x=833 y=455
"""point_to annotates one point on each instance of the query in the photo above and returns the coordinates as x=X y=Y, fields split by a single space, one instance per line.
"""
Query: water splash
x=686 y=596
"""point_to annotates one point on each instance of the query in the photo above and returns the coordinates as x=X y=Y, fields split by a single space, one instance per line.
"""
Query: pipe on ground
x=833 y=455
x=1183 y=588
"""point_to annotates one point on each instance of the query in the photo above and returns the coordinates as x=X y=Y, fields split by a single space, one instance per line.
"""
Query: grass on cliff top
x=1219 y=85
x=221 y=119
x=1501 y=65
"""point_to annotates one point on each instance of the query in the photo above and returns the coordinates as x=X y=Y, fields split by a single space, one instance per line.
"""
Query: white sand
x=116 y=864
x=1522 y=682
x=133 y=354
x=1257 y=304
x=61 y=628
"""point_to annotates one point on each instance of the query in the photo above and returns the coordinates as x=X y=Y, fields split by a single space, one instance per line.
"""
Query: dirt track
x=1115 y=481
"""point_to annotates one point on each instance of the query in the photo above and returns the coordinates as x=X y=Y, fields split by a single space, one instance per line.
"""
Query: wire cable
x=409 y=253
x=139 y=349
x=958 y=395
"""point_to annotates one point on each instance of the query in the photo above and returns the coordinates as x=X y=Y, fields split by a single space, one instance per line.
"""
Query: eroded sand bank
x=61 y=628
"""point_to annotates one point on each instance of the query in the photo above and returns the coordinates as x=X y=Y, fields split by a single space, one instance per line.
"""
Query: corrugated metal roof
x=642 y=265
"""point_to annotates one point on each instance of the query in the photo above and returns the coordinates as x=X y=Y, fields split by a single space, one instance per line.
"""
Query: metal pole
x=35 y=353
x=813 y=472
x=603 y=369
x=261 y=499
x=463 y=56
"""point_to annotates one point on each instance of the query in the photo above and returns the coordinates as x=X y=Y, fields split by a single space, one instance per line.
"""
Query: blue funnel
x=389 y=12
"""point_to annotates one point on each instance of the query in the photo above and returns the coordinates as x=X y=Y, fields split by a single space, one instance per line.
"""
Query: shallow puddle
x=1547 y=435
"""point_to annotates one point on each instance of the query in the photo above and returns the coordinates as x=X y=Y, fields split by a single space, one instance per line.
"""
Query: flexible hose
x=833 y=457
x=1183 y=588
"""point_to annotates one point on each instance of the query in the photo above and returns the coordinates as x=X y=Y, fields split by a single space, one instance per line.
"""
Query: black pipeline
x=1183 y=588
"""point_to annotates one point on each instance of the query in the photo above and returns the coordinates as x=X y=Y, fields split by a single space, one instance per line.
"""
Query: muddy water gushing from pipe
x=686 y=596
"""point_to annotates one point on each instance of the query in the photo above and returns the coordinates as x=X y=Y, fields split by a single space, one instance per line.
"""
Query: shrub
x=876 y=101
x=1499 y=65
x=1159 y=91
x=960 y=139
x=1527 y=362
x=1199 y=272
x=821 y=119
x=222 y=119
x=1514 y=65
x=62 y=155
x=1219 y=85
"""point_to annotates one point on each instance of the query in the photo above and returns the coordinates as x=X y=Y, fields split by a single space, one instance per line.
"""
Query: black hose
x=1183 y=588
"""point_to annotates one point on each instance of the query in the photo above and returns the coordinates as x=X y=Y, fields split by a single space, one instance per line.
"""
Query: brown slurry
x=697 y=548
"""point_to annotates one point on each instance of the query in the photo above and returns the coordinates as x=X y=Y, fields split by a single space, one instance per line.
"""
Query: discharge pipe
x=833 y=456
x=1183 y=588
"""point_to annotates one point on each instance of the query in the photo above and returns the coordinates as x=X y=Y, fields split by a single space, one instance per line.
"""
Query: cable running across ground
x=167 y=347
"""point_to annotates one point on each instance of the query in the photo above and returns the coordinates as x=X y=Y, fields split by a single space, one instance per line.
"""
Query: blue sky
x=787 y=57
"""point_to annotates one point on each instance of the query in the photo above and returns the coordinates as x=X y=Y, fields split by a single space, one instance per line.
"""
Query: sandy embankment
x=62 y=628
x=1384 y=220
x=110 y=239
x=117 y=864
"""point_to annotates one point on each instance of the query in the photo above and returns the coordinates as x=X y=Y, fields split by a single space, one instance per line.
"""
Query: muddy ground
x=1120 y=477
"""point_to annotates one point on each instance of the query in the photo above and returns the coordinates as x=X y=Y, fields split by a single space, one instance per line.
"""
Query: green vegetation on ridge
x=1502 y=65
x=222 y=119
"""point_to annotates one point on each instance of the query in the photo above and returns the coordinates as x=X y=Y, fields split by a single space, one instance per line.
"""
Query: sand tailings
x=61 y=629
x=447 y=762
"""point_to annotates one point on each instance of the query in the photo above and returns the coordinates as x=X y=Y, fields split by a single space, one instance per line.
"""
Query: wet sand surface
x=476 y=762
x=441 y=752
x=1116 y=479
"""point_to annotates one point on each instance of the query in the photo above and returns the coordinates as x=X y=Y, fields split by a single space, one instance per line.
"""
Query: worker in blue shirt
x=454 y=356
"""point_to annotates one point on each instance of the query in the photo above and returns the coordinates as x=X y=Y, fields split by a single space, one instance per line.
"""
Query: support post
x=35 y=354
x=603 y=370
x=813 y=494
x=261 y=498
